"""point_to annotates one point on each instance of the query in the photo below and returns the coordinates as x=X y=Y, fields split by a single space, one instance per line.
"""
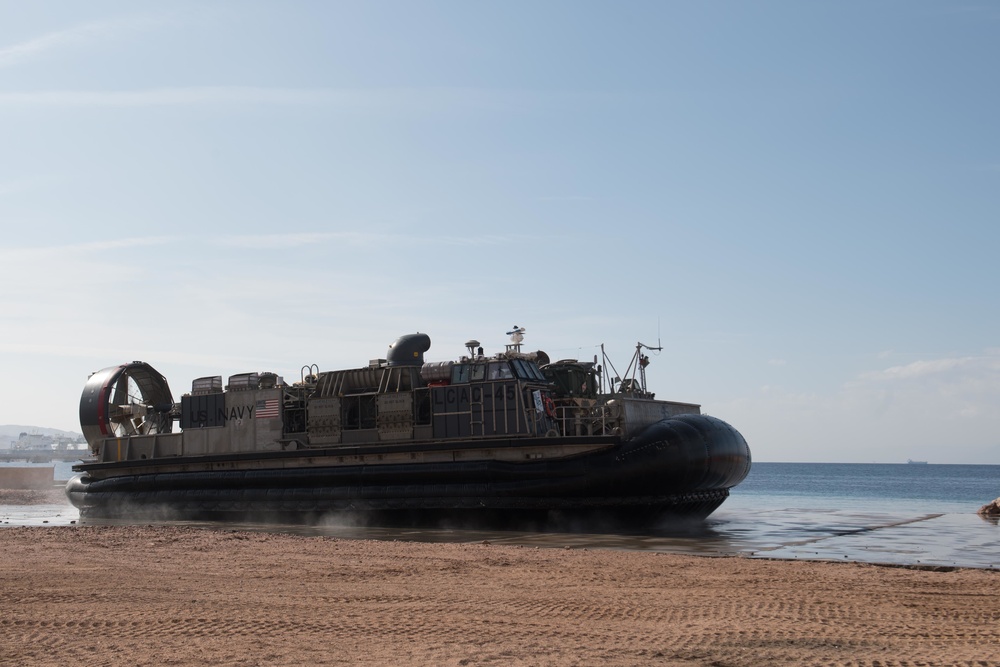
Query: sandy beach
x=184 y=596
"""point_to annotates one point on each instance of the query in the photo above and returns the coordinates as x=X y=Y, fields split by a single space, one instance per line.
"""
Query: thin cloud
x=163 y=97
x=82 y=34
x=935 y=367
x=259 y=241
x=267 y=241
x=367 y=100
x=33 y=254
x=366 y=239
x=16 y=185
x=957 y=387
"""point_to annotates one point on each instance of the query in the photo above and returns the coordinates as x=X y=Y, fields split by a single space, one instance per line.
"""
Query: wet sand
x=168 y=595
x=32 y=497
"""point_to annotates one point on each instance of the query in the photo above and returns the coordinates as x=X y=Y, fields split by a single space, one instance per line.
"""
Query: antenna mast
x=638 y=365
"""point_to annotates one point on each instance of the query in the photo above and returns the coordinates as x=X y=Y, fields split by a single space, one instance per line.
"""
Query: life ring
x=550 y=406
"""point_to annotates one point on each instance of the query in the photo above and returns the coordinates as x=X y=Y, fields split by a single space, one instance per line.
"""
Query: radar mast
x=516 y=337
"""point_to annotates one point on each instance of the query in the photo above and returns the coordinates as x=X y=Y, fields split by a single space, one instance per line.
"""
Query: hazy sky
x=800 y=200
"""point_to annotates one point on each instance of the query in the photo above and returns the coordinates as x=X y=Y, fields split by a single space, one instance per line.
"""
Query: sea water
x=908 y=487
x=904 y=514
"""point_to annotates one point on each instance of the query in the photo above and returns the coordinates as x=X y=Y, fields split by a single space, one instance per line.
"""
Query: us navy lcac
x=504 y=435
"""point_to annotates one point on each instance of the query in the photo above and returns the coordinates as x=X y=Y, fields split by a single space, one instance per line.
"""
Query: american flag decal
x=267 y=409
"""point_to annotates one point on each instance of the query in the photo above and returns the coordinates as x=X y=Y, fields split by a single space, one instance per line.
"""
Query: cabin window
x=527 y=370
x=499 y=370
x=459 y=373
x=478 y=373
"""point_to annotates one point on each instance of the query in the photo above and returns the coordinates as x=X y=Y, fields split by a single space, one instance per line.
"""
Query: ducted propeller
x=125 y=400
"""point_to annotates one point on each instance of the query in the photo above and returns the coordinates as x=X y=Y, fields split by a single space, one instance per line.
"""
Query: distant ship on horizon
x=911 y=461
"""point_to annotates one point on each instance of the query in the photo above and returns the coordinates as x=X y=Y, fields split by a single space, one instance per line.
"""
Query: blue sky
x=799 y=200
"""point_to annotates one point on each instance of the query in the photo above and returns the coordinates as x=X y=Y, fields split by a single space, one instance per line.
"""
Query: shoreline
x=912 y=537
x=149 y=595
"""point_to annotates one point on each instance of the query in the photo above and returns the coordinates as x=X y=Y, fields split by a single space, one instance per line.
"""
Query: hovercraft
x=507 y=435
